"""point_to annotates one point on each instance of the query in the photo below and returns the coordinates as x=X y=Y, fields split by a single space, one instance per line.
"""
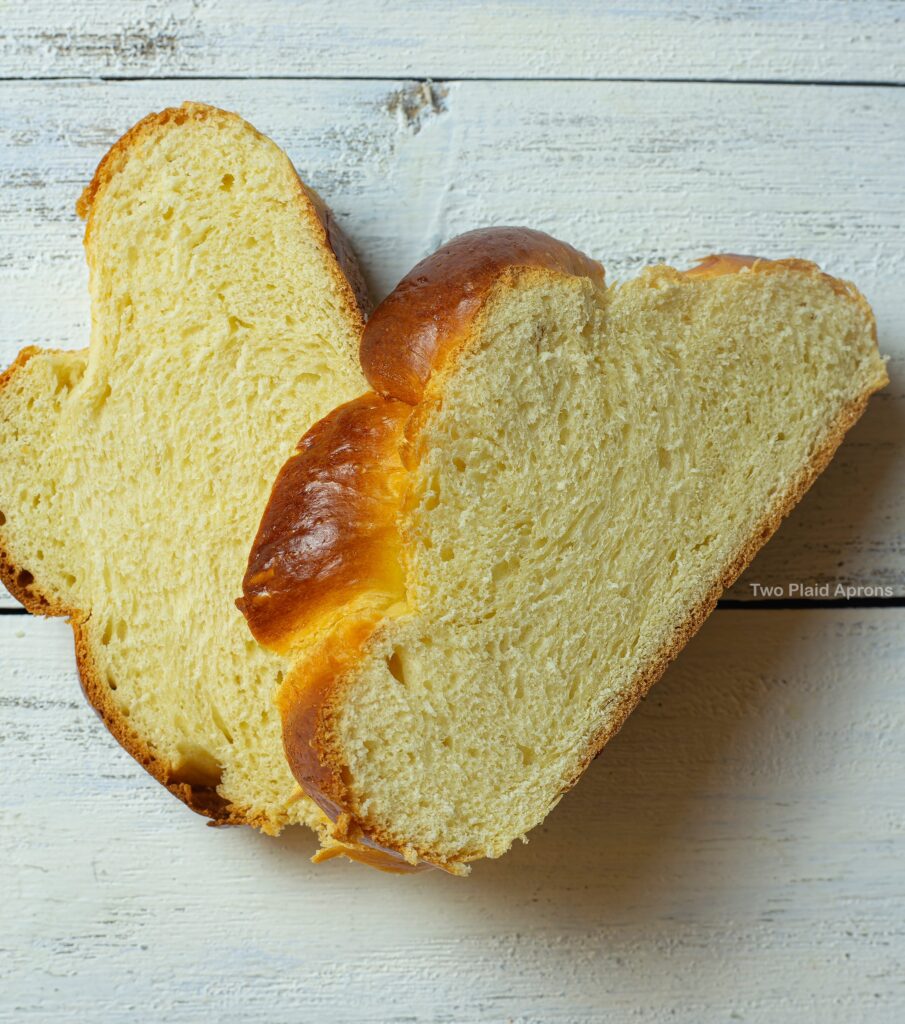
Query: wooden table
x=738 y=853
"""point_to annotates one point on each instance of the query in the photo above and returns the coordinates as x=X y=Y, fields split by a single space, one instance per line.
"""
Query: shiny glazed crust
x=328 y=539
x=19 y=580
x=421 y=324
x=414 y=334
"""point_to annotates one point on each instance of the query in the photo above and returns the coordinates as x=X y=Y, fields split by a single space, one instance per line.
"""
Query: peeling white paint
x=813 y=40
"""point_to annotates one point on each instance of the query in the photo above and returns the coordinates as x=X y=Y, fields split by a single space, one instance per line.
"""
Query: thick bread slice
x=479 y=570
x=226 y=313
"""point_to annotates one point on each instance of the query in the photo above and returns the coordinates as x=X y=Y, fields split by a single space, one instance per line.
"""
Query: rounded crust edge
x=346 y=272
x=424 y=321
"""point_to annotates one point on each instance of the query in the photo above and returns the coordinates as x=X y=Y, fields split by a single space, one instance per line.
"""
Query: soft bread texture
x=226 y=313
x=537 y=509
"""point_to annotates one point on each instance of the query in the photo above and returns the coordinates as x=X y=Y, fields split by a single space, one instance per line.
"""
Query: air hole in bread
x=103 y=397
x=24 y=579
x=197 y=767
x=394 y=664
x=433 y=497
x=2 y=518
x=446 y=553
x=565 y=435
x=226 y=182
x=220 y=722
x=459 y=464
x=528 y=755
x=503 y=569
x=235 y=323
x=111 y=682
x=168 y=213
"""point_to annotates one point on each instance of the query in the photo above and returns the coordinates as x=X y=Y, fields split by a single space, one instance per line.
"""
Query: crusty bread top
x=350 y=280
x=416 y=328
x=329 y=539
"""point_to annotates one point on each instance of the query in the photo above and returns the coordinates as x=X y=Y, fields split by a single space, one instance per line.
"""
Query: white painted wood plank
x=737 y=853
x=814 y=40
x=630 y=172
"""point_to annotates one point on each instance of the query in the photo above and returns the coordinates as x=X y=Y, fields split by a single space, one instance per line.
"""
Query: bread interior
x=596 y=463
x=134 y=474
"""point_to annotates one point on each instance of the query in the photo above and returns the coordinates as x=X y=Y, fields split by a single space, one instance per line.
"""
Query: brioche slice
x=479 y=569
x=133 y=473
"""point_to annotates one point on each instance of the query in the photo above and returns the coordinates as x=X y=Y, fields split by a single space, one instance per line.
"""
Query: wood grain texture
x=628 y=172
x=814 y=40
x=737 y=853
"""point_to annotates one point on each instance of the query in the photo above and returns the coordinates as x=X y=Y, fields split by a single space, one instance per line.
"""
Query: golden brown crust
x=307 y=701
x=20 y=581
x=720 y=264
x=341 y=247
x=326 y=560
x=383 y=860
x=426 y=317
x=411 y=335
x=348 y=277
x=329 y=535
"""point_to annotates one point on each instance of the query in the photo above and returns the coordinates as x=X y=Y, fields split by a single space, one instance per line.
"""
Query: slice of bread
x=480 y=569
x=133 y=473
